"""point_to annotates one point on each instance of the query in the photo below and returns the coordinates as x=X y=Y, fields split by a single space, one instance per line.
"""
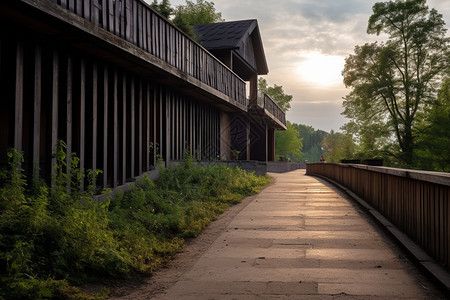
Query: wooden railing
x=417 y=202
x=137 y=23
x=267 y=103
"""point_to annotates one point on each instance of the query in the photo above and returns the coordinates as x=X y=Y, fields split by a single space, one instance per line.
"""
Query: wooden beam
x=167 y=134
x=124 y=129
x=55 y=99
x=115 y=180
x=94 y=115
x=37 y=111
x=155 y=126
x=133 y=128
x=82 y=117
x=69 y=111
x=147 y=126
x=18 y=112
x=105 y=127
x=95 y=9
x=139 y=170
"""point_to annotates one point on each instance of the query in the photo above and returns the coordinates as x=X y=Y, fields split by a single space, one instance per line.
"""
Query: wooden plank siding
x=113 y=119
x=417 y=202
x=138 y=24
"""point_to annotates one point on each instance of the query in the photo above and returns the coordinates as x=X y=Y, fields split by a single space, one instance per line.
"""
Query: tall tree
x=395 y=80
x=275 y=92
x=434 y=139
x=311 y=140
x=337 y=146
x=163 y=8
x=287 y=143
x=191 y=14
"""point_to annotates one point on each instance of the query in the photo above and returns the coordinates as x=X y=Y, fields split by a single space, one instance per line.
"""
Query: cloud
x=291 y=29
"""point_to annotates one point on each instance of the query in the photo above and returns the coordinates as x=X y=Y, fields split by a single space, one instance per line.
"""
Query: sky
x=305 y=43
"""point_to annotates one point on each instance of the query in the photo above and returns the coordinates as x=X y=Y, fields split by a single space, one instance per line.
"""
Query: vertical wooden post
x=18 y=114
x=167 y=132
x=140 y=112
x=155 y=126
x=69 y=112
x=105 y=127
x=94 y=115
x=147 y=127
x=82 y=117
x=116 y=134
x=37 y=111
x=124 y=129
x=133 y=127
x=95 y=9
x=55 y=98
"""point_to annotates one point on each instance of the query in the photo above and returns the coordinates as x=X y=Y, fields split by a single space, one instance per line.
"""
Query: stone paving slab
x=301 y=239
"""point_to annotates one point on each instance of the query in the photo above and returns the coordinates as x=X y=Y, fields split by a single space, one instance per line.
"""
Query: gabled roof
x=230 y=35
x=224 y=35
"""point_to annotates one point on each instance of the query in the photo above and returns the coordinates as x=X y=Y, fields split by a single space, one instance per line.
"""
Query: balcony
x=132 y=26
x=272 y=111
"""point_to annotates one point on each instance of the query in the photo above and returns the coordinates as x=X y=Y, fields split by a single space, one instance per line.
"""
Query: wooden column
x=139 y=122
x=124 y=129
x=82 y=117
x=155 y=126
x=253 y=88
x=18 y=113
x=94 y=115
x=105 y=127
x=55 y=98
x=37 y=111
x=147 y=127
x=116 y=134
x=69 y=110
x=167 y=132
x=133 y=126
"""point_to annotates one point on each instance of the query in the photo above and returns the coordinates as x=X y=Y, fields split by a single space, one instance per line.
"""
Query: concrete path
x=300 y=239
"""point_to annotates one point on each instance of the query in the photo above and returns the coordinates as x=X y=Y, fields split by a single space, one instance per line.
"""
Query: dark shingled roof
x=230 y=35
x=224 y=35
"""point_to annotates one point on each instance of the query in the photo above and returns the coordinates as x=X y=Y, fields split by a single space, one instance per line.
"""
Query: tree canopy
x=287 y=142
x=395 y=81
x=276 y=93
x=191 y=14
x=163 y=8
x=337 y=146
x=434 y=139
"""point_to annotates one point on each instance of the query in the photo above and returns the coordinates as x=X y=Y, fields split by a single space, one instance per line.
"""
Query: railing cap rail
x=441 y=178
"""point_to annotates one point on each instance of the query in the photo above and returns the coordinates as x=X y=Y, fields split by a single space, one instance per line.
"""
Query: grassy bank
x=53 y=239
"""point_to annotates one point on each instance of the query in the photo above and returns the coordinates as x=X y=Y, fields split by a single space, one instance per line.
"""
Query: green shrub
x=52 y=239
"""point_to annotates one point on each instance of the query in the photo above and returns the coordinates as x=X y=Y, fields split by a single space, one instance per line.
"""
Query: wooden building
x=122 y=86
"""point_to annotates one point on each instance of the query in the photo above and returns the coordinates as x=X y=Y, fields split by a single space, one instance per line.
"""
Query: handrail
x=136 y=22
x=417 y=202
x=274 y=109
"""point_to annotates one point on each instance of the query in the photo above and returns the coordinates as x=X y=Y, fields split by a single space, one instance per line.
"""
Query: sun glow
x=320 y=70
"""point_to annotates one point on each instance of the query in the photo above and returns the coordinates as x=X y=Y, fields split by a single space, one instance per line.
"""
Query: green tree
x=337 y=146
x=311 y=140
x=287 y=143
x=191 y=14
x=163 y=8
x=434 y=140
x=393 y=82
x=276 y=93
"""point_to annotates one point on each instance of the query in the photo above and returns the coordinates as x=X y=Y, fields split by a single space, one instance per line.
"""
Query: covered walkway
x=298 y=239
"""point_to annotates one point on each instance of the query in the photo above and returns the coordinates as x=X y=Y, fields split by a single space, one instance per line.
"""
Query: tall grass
x=53 y=239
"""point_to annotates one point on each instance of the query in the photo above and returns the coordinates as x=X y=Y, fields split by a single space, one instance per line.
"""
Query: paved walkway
x=300 y=239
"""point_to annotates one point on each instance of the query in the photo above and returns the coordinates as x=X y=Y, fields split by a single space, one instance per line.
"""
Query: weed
x=52 y=239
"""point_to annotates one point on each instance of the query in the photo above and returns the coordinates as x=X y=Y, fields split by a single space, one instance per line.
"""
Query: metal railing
x=137 y=23
x=417 y=202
